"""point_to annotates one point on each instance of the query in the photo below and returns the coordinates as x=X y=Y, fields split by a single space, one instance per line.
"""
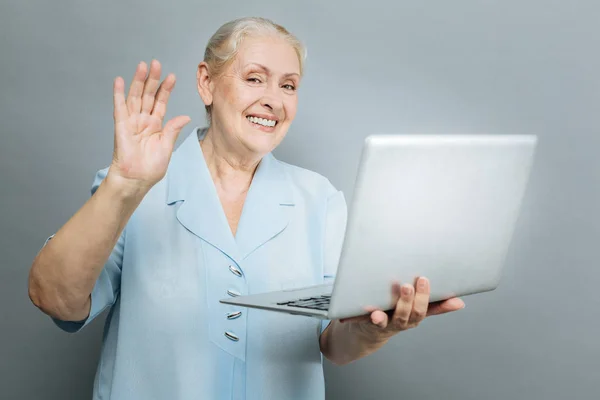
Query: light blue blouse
x=166 y=335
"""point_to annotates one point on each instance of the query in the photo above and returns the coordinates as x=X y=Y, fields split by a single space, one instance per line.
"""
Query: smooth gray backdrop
x=433 y=66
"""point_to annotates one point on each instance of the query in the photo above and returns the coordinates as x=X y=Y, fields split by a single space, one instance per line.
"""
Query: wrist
x=123 y=189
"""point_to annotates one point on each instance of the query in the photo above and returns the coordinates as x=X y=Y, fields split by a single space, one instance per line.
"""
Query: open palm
x=143 y=147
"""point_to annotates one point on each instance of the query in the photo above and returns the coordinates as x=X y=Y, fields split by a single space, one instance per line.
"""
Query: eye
x=253 y=80
x=289 y=87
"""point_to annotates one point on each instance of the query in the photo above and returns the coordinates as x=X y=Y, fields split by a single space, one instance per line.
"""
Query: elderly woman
x=167 y=234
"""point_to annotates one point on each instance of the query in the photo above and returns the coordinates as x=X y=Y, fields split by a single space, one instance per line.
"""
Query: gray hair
x=224 y=44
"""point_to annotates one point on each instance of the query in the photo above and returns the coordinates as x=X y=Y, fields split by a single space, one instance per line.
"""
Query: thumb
x=174 y=126
x=380 y=319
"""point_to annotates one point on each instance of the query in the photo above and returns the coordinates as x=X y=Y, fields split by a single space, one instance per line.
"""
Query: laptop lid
x=440 y=206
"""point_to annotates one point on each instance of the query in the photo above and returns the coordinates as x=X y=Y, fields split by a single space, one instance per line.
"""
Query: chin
x=262 y=142
x=262 y=145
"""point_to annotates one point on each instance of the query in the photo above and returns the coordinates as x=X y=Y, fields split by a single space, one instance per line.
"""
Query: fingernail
x=406 y=290
x=422 y=284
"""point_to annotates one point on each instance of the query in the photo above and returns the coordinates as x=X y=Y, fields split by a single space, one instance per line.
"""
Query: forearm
x=360 y=336
x=64 y=272
x=342 y=343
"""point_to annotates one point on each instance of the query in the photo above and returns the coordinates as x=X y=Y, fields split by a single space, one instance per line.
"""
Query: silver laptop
x=440 y=206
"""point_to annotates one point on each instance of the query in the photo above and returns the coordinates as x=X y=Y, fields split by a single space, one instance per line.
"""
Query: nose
x=271 y=99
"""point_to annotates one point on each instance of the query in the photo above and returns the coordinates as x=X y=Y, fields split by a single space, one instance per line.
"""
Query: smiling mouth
x=269 y=123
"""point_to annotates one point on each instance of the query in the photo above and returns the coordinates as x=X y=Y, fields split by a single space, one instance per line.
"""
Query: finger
x=134 y=97
x=403 y=307
x=421 y=303
x=120 y=113
x=361 y=318
x=379 y=319
x=162 y=97
x=150 y=87
x=446 y=306
x=396 y=290
x=366 y=317
x=174 y=126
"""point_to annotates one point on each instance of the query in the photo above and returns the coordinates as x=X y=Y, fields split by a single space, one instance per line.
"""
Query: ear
x=205 y=84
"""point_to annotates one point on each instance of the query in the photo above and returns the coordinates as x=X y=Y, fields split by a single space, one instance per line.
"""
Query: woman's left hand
x=411 y=308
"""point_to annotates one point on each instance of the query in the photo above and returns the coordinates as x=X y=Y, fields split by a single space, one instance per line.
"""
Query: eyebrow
x=268 y=71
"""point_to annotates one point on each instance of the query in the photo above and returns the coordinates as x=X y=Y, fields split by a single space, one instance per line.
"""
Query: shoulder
x=314 y=193
x=308 y=182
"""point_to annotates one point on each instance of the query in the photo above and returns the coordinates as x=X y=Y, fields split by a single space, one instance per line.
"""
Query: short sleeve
x=336 y=218
x=108 y=284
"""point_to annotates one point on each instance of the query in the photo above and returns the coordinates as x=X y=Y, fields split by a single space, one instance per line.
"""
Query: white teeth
x=262 y=121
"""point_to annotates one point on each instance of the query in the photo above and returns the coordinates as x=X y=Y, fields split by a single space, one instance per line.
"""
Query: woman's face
x=254 y=101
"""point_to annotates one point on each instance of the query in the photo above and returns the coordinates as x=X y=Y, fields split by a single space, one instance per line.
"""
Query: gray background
x=434 y=66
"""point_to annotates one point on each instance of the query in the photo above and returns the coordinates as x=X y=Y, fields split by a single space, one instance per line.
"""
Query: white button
x=233 y=293
x=235 y=271
x=231 y=336
x=234 y=315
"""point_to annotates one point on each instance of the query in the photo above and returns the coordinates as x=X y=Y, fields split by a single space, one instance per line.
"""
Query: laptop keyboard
x=316 y=302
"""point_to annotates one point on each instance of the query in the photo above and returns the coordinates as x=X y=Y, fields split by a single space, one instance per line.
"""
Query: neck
x=230 y=170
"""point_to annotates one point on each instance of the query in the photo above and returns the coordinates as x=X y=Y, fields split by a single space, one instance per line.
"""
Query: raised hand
x=142 y=145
